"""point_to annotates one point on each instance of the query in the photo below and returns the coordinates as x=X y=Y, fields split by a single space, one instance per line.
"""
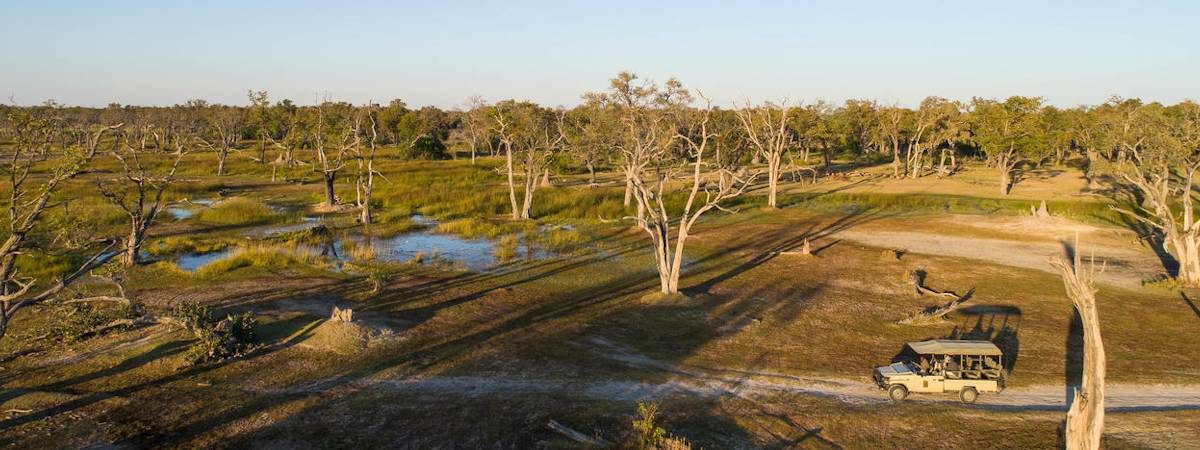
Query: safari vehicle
x=965 y=367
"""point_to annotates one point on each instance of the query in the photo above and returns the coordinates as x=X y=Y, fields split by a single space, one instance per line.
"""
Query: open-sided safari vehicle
x=965 y=367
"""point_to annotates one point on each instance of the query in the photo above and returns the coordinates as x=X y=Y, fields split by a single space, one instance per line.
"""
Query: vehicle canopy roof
x=955 y=347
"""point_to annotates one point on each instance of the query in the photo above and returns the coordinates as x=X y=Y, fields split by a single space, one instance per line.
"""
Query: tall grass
x=239 y=211
x=172 y=245
x=474 y=228
x=262 y=257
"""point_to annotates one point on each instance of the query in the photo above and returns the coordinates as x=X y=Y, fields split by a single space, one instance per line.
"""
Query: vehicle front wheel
x=897 y=393
x=968 y=395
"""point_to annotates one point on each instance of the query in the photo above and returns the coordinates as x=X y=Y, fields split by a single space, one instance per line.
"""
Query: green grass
x=239 y=211
x=173 y=245
x=264 y=258
x=473 y=228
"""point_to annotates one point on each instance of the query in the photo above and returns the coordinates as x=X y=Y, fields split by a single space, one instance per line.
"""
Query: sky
x=441 y=52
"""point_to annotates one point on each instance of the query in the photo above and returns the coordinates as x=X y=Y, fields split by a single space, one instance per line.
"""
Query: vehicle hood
x=893 y=369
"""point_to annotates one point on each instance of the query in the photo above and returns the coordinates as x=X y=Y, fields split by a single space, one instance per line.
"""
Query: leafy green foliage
x=215 y=339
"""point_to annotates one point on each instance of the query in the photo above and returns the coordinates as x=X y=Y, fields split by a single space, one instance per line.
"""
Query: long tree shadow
x=162 y=350
x=429 y=357
x=769 y=247
x=1191 y=304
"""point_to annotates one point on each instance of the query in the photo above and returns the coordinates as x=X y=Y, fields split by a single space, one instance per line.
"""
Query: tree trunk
x=527 y=200
x=895 y=160
x=1085 y=419
x=628 y=189
x=1003 y=164
x=221 y=163
x=512 y=188
x=364 y=214
x=772 y=181
x=133 y=248
x=591 y=174
x=330 y=196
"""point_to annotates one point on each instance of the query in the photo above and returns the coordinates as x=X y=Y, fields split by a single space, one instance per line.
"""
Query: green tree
x=1007 y=132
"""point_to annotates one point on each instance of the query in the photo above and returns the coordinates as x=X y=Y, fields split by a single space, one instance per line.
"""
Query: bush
x=647 y=435
x=82 y=319
x=425 y=147
x=215 y=339
x=239 y=211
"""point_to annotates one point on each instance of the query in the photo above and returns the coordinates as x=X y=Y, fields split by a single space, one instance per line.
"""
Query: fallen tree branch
x=577 y=436
x=934 y=314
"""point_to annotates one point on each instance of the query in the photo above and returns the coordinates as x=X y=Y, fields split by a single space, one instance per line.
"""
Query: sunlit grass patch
x=239 y=211
x=262 y=257
x=473 y=228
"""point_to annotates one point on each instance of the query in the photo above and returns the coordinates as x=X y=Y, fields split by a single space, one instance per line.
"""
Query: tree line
x=662 y=141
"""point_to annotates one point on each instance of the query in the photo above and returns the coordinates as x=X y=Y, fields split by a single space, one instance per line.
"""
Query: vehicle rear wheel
x=897 y=393
x=968 y=395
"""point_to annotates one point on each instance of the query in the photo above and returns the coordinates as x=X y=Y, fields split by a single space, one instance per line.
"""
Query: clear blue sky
x=441 y=52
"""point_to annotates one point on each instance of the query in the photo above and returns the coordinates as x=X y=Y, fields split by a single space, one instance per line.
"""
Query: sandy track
x=1124 y=267
x=690 y=381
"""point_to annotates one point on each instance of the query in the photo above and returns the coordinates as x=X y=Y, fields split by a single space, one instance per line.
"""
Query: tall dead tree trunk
x=365 y=183
x=766 y=129
x=1085 y=419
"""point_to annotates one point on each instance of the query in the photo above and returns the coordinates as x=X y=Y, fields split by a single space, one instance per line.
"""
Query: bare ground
x=688 y=381
x=1020 y=242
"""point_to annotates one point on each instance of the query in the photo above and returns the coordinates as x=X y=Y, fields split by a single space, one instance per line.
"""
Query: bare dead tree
x=669 y=232
x=1085 y=419
x=475 y=122
x=139 y=192
x=328 y=163
x=364 y=184
x=766 y=129
x=27 y=200
x=225 y=130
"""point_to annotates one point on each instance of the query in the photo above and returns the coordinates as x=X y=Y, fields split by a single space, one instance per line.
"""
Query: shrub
x=1164 y=283
x=425 y=147
x=647 y=434
x=83 y=319
x=239 y=211
x=215 y=339
x=378 y=277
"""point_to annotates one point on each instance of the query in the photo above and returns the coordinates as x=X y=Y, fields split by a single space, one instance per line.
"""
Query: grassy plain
x=485 y=359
